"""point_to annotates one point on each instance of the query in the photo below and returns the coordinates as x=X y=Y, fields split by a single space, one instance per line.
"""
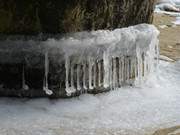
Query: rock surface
x=92 y=62
x=54 y=16
x=169 y=36
x=61 y=16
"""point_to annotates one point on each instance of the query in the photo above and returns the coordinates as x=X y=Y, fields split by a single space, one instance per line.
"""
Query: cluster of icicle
x=106 y=59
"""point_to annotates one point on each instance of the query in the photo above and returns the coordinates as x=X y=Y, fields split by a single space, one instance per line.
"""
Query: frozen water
x=93 y=61
x=45 y=84
x=130 y=110
x=24 y=85
x=128 y=57
x=169 y=7
x=109 y=59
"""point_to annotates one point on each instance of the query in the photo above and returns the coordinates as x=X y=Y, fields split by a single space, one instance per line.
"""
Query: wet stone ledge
x=84 y=62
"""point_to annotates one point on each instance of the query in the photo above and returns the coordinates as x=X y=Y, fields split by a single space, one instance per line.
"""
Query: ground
x=169 y=36
x=127 y=111
x=169 y=46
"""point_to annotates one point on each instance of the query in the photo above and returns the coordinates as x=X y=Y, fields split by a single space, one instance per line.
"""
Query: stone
x=82 y=62
x=63 y=16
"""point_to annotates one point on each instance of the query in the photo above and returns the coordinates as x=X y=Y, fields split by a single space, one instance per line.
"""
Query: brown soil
x=168 y=131
x=169 y=36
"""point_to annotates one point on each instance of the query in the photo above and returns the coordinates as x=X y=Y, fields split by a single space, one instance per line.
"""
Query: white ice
x=87 y=48
x=128 y=110
x=24 y=85
x=45 y=83
x=169 y=7
x=83 y=50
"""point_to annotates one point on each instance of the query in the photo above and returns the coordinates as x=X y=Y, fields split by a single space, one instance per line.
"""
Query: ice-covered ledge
x=92 y=62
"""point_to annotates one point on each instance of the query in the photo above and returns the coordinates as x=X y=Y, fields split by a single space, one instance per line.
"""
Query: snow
x=171 y=5
x=177 y=21
x=165 y=58
x=174 y=14
x=128 y=110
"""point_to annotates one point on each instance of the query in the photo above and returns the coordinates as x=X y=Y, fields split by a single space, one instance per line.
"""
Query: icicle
x=114 y=73
x=99 y=74
x=139 y=66
x=127 y=70
x=145 y=65
x=120 y=71
x=90 y=73
x=111 y=74
x=78 y=77
x=136 y=68
x=84 y=77
x=67 y=72
x=120 y=66
x=24 y=85
x=106 y=70
x=94 y=75
x=72 y=89
x=132 y=69
x=72 y=76
x=67 y=64
x=46 y=69
x=45 y=87
x=117 y=72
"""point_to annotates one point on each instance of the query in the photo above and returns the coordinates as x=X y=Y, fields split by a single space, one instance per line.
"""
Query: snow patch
x=129 y=110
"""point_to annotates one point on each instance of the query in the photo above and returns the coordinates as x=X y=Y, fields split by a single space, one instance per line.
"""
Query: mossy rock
x=62 y=16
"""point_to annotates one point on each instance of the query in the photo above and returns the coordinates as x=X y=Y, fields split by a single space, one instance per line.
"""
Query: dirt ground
x=168 y=131
x=169 y=36
x=170 y=47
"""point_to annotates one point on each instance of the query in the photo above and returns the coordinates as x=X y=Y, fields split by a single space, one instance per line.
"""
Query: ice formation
x=93 y=61
x=169 y=7
x=107 y=59
x=24 y=85
x=46 y=67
